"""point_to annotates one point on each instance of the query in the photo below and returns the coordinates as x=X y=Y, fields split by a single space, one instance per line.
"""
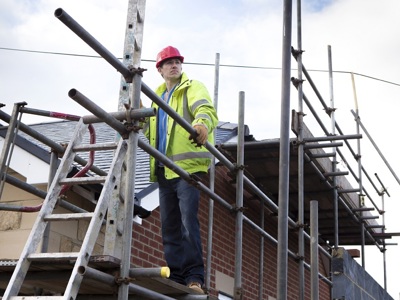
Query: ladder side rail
x=39 y=226
x=113 y=179
x=114 y=232
x=133 y=44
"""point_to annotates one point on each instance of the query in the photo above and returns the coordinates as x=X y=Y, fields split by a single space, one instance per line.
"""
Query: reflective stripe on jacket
x=191 y=101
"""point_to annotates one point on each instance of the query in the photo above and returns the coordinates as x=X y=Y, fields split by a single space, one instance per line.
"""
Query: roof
x=61 y=132
x=262 y=167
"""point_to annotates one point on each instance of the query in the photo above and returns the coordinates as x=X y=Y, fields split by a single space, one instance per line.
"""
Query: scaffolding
x=125 y=123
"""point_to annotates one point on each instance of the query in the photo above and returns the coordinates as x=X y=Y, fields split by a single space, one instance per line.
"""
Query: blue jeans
x=179 y=205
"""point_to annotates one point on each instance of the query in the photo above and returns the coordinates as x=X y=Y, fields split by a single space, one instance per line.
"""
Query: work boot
x=196 y=287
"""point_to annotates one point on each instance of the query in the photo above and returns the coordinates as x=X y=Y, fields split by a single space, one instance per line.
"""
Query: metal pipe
x=238 y=293
x=358 y=120
x=318 y=146
x=92 y=107
x=34 y=191
x=212 y=187
x=45 y=140
x=384 y=247
x=314 y=250
x=362 y=225
x=383 y=212
x=25 y=186
x=261 y=257
x=110 y=281
x=333 y=138
x=9 y=143
x=321 y=155
x=133 y=114
x=334 y=174
x=51 y=114
x=284 y=157
x=348 y=191
x=162 y=272
x=97 y=111
x=300 y=159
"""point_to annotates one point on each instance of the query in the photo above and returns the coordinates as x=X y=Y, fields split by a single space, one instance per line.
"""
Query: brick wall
x=147 y=246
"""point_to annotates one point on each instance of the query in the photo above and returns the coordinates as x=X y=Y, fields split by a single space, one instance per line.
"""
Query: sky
x=362 y=36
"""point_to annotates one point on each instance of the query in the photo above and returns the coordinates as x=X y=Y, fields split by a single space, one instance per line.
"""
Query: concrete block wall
x=15 y=227
x=351 y=281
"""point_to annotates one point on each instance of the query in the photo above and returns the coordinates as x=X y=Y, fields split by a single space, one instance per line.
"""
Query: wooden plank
x=53 y=277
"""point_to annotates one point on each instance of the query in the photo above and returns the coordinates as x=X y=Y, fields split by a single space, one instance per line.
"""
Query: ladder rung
x=36 y=297
x=89 y=147
x=68 y=217
x=53 y=256
x=83 y=180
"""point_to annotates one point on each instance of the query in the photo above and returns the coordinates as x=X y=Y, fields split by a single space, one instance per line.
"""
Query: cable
x=200 y=64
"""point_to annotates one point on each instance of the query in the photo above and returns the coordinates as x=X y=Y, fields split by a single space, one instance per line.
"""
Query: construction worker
x=179 y=200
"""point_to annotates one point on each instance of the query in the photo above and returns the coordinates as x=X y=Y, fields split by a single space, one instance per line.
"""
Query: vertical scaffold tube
x=284 y=154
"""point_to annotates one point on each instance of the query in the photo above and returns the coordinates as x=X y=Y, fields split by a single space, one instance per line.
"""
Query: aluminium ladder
x=128 y=93
x=29 y=253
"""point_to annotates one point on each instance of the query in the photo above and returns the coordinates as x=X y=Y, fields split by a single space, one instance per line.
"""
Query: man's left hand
x=202 y=133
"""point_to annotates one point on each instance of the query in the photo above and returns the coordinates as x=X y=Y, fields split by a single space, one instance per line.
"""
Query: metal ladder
x=30 y=254
x=115 y=241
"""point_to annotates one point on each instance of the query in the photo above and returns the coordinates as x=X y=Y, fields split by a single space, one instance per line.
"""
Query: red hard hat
x=166 y=53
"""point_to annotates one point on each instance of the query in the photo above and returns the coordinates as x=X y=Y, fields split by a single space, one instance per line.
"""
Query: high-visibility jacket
x=191 y=100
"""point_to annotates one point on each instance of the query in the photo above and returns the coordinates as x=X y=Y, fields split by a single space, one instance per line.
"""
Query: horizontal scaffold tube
x=34 y=191
x=134 y=114
x=110 y=281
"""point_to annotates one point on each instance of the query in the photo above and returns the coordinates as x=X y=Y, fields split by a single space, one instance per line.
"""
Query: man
x=179 y=200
